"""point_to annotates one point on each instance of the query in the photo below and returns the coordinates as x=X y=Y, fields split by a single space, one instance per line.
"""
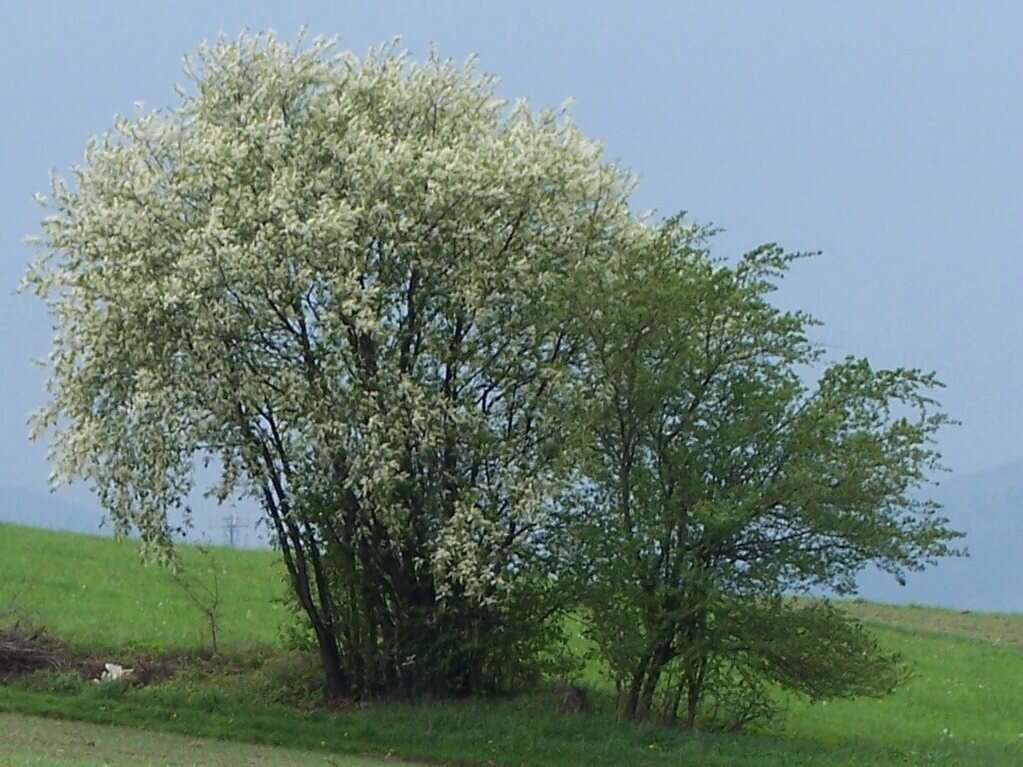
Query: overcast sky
x=888 y=138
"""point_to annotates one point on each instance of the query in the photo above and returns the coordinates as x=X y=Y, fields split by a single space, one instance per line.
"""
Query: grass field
x=962 y=706
x=93 y=593
x=37 y=742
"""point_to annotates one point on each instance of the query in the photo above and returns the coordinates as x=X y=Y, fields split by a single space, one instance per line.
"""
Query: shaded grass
x=523 y=731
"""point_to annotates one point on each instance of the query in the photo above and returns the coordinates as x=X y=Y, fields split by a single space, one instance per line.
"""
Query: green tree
x=715 y=483
x=331 y=277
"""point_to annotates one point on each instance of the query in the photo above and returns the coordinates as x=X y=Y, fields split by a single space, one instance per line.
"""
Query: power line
x=231 y=526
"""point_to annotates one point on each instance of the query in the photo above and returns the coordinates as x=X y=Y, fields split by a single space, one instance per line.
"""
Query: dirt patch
x=146 y=671
x=27 y=651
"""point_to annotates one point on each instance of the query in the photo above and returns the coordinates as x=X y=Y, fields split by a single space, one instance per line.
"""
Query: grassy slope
x=995 y=628
x=92 y=592
x=32 y=741
x=964 y=698
x=961 y=708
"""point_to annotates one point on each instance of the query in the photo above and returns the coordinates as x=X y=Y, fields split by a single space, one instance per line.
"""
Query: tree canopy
x=469 y=388
x=715 y=482
x=331 y=276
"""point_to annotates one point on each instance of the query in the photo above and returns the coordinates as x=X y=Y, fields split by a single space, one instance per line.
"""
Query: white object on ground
x=113 y=672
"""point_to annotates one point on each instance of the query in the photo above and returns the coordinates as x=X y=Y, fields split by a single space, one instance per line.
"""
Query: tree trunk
x=635 y=688
x=694 y=688
x=692 y=706
x=294 y=555
x=336 y=684
x=653 y=675
x=213 y=633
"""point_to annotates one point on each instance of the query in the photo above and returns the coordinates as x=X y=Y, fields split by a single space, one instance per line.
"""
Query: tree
x=202 y=589
x=715 y=484
x=330 y=278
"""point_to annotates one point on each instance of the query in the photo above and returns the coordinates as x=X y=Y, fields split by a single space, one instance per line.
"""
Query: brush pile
x=23 y=651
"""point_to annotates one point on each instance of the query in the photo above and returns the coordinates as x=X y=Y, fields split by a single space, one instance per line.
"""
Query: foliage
x=377 y=299
x=331 y=277
x=714 y=481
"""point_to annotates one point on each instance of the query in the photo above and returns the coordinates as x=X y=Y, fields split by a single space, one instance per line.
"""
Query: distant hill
x=53 y=512
x=988 y=507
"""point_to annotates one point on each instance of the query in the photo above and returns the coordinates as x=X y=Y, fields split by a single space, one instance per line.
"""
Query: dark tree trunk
x=653 y=675
x=695 y=676
x=336 y=684
x=629 y=709
x=294 y=554
x=692 y=707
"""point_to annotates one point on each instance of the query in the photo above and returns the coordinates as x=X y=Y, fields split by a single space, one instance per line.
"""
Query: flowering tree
x=715 y=483
x=330 y=277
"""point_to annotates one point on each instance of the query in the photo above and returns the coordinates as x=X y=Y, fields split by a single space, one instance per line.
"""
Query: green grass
x=964 y=699
x=962 y=706
x=525 y=731
x=995 y=628
x=94 y=594
x=36 y=742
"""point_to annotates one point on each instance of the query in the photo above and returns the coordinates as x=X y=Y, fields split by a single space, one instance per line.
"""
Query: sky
x=887 y=136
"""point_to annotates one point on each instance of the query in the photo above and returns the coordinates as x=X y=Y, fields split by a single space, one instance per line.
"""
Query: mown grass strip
x=38 y=742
